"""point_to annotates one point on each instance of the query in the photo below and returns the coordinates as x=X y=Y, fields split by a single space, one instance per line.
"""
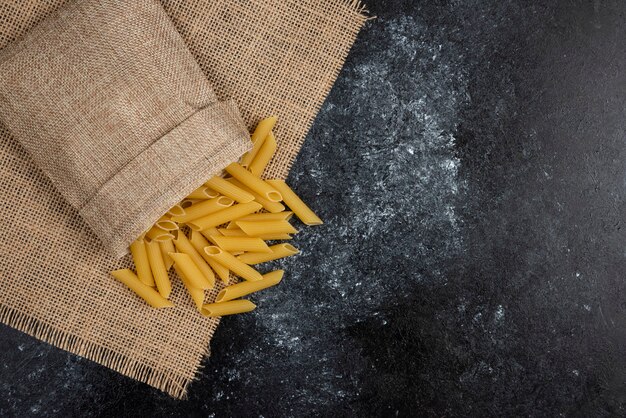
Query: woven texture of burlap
x=111 y=105
x=272 y=57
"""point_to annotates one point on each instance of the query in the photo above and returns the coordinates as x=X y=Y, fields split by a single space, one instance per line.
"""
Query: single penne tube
x=185 y=203
x=259 y=135
x=233 y=244
x=260 y=228
x=223 y=216
x=232 y=263
x=239 y=233
x=197 y=295
x=190 y=270
x=176 y=210
x=158 y=234
x=208 y=233
x=253 y=182
x=278 y=251
x=167 y=247
x=291 y=199
x=280 y=216
x=245 y=288
x=204 y=208
x=199 y=242
x=202 y=193
x=235 y=232
x=159 y=272
x=142 y=265
x=269 y=206
x=183 y=245
x=229 y=190
x=147 y=293
x=263 y=157
x=167 y=225
x=227 y=308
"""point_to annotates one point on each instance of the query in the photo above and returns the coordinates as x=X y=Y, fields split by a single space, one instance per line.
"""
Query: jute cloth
x=272 y=57
x=111 y=105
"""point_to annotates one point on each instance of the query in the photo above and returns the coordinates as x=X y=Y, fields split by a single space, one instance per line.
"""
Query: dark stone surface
x=470 y=165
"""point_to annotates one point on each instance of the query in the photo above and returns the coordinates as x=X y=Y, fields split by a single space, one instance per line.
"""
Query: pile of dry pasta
x=229 y=220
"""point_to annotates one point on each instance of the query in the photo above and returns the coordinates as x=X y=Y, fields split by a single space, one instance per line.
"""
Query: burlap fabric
x=111 y=105
x=272 y=57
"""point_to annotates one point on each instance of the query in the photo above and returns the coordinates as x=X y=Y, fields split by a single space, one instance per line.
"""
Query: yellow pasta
x=184 y=246
x=265 y=154
x=142 y=265
x=167 y=247
x=272 y=207
x=185 y=203
x=197 y=295
x=291 y=199
x=176 y=210
x=227 y=308
x=258 y=137
x=158 y=234
x=190 y=270
x=237 y=232
x=223 y=216
x=208 y=233
x=233 y=264
x=245 y=288
x=280 y=216
x=151 y=296
x=253 y=182
x=202 y=193
x=229 y=190
x=159 y=272
x=166 y=225
x=278 y=251
x=204 y=208
x=255 y=229
x=199 y=242
x=232 y=244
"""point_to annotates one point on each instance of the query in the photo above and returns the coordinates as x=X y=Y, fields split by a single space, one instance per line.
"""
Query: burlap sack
x=111 y=105
x=271 y=56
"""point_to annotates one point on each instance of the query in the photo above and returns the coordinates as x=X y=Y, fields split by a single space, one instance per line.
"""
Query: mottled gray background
x=470 y=166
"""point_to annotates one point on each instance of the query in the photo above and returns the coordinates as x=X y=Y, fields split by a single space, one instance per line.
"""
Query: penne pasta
x=208 y=233
x=185 y=203
x=176 y=210
x=233 y=244
x=258 y=137
x=190 y=270
x=199 y=242
x=223 y=216
x=151 y=296
x=166 y=225
x=167 y=247
x=202 y=193
x=197 y=295
x=183 y=245
x=245 y=288
x=291 y=199
x=255 y=229
x=142 y=265
x=272 y=207
x=227 y=308
x=233 y=264
x=253 y=182
x=263 y=157
x=159 y=272
x=204 y=208
x=158 y=234
x=239 y=233
x=280 y=216
x=278 y=251
x=229 y=190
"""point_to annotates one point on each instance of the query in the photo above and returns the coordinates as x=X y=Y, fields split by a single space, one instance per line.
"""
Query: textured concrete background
x=470 y=166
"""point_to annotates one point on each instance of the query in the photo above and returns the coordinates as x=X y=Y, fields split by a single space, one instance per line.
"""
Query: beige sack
x=271 y=56
x=111 y=105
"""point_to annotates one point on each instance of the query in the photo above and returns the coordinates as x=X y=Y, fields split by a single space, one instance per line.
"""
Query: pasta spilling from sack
x=219 y=231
